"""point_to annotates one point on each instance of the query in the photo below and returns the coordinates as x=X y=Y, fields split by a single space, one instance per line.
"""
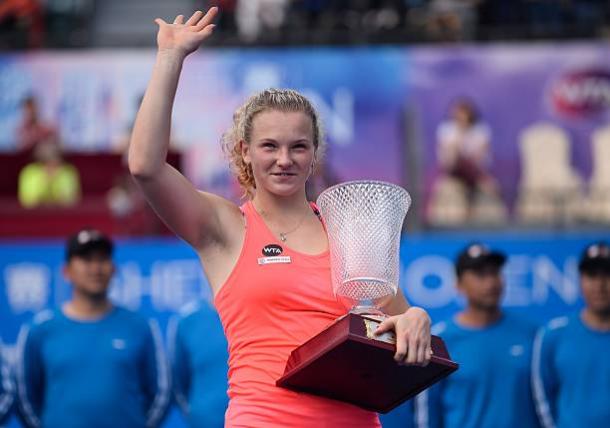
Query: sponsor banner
x=158 y=277
x=513 y=87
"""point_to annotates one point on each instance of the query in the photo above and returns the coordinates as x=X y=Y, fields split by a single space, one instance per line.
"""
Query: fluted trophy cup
x=347 y=361
x=364 y=222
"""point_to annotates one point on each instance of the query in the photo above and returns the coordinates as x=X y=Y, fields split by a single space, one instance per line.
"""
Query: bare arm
x=412 y=328
x=192 y=215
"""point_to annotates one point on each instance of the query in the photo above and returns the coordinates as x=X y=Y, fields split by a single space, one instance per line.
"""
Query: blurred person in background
x=267 y=308
x=260 y=18
x=464 y=157
x=463 y=148
x=452 y=20
x=571 y=368
x=7 y=388
x=33 y=130
x=49 y=180
x=91 y=363
x=198 y=355
x=492 y=387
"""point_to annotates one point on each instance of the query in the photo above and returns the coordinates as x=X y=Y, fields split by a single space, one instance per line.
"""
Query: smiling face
x=281 y=151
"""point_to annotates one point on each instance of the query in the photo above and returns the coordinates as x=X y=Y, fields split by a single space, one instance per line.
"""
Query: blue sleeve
x=181 y=364
x=7 y=389
x=156 y=381
x=30 y=376
x=544 y=380
x=429 y=408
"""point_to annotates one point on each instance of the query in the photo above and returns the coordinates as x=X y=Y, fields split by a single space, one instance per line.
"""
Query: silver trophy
x=364 y=222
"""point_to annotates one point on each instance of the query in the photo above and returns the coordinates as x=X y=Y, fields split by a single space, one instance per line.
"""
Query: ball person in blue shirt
x=491 y=389
x=571 y=363
x=198 y=355
x=7 y=389
x=90 y=363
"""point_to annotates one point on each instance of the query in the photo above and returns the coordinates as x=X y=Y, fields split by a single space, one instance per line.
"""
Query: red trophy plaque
x=347 y=361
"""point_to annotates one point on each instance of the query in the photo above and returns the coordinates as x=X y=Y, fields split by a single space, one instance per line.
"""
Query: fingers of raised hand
x=195 y=17
x=205 y=20
x=179 y=20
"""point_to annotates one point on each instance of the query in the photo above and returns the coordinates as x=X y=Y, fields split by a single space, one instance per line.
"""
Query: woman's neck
x=280 y=206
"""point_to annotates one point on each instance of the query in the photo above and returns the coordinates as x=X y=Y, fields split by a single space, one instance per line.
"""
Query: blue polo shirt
x=571 y=374
x=110 y=372
x=198 y=354
x=7 y=389
x=491 y=388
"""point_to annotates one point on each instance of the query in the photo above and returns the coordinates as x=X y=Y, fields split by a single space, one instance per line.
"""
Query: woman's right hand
x=185 y=37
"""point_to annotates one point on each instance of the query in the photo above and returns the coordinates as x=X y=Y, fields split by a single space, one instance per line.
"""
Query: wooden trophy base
x=346 y=362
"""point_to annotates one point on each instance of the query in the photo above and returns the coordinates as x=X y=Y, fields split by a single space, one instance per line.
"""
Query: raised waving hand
x=185 y=37
x=190 y=214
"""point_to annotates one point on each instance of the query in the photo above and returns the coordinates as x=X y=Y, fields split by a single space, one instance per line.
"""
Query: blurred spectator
x=257 y=17
x=492 y=387
x=7 y=390
x=452 y=19
x=33 y=130
x=129 y=208
x=463 y=146
x=464 y=156
x=48 y=181
x=91 y=363
x=571 y=370
x=199 y=368
x=123 y=197
x=21 y=23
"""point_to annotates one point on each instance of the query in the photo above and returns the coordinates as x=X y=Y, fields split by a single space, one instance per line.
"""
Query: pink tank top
x=274 y=300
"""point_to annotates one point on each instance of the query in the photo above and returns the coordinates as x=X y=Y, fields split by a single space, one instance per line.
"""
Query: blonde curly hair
x=284 y=100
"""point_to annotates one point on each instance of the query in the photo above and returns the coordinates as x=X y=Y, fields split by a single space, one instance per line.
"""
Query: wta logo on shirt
x=271 y=250
x=273 y=254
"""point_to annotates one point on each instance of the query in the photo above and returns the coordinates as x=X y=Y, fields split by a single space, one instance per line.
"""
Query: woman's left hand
x=412 y=330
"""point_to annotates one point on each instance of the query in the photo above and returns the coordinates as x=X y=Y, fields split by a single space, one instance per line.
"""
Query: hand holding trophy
x=348 y=361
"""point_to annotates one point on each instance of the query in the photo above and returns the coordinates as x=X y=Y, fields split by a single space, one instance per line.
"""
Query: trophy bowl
x=363 y=220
